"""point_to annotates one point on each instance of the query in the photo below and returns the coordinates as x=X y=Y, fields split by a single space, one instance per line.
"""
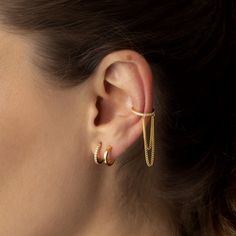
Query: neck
x=113 y=216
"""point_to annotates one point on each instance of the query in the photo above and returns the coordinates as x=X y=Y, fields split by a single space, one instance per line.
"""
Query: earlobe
x=123 y=80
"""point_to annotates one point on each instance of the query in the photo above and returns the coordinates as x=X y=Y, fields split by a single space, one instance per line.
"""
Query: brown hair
x=191 y=45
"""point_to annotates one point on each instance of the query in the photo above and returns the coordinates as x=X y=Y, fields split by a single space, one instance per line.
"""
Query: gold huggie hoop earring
x=97 y=158
x=151 y=145
x=108 y=161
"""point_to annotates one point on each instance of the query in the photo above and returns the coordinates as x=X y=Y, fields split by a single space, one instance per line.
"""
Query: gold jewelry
x=106 y=158
x=151 y=145
x=97 y=158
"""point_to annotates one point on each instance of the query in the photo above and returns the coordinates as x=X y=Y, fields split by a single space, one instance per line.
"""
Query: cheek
x=39 y=153
x=18 y=125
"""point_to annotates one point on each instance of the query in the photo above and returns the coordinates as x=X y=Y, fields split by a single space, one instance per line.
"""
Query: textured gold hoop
x=151 y=145
x=106 y=156
x=97 y=158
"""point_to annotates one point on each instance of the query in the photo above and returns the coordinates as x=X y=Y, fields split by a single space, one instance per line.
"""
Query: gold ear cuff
x=151 y=145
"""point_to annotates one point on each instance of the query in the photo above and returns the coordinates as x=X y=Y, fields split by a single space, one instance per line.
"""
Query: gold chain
x=151 y=145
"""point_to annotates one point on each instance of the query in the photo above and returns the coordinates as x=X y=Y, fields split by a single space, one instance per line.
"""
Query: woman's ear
x=122 y=80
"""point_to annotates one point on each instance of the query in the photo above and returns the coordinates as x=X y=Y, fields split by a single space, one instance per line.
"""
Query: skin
x=49 y=182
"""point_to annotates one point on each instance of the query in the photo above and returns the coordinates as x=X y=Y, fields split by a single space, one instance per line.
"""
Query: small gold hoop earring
x=151 y=145
x=107 y=159
x=97 y=159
